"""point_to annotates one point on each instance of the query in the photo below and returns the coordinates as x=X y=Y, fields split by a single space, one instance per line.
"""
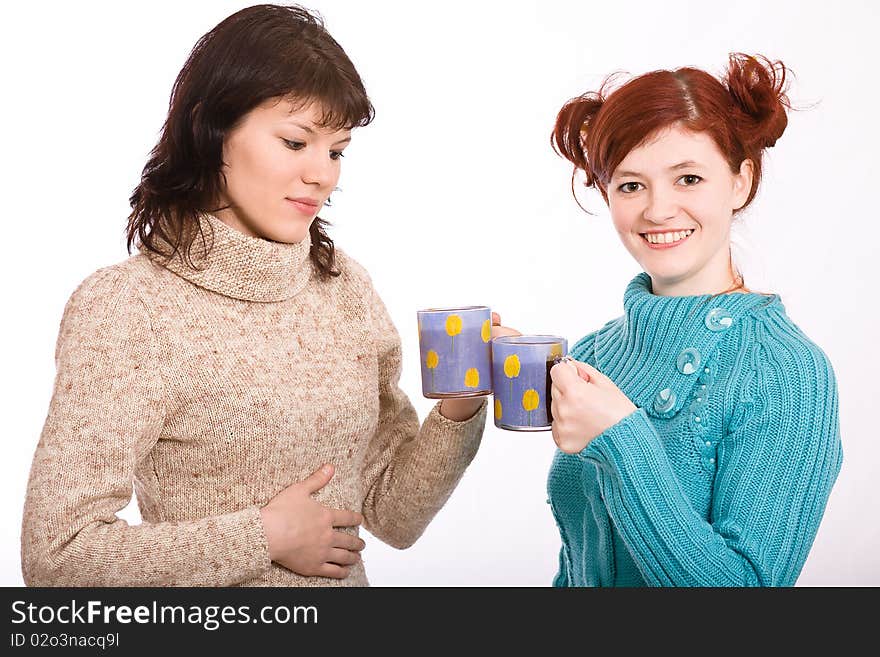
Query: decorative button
x=718 y=319
x=708 y=444
x=697 y=418
x=711 y=460
x=688 y=361
x=664 y=400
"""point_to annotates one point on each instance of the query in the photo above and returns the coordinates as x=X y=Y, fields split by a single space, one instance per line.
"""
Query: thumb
x=319 y=478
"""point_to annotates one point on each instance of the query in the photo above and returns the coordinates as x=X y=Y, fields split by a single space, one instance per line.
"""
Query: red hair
x=745 y=112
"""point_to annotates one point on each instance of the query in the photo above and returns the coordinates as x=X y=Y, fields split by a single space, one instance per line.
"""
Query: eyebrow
x=675 y=167
x=311 y=131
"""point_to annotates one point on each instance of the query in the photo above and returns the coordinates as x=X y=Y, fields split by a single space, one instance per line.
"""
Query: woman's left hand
x=584 y=403
x=463 y=409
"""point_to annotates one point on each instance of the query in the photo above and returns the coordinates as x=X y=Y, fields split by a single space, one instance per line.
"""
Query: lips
x=305 y=200
x=304 y=204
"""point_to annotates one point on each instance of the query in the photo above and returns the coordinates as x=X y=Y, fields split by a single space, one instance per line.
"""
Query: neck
x=709 y=281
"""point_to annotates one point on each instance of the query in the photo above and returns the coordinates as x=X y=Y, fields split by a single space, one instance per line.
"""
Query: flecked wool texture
x=722 y=474
x=207 y=393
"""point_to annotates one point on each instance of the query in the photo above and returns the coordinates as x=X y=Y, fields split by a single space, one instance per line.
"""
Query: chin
x=665 y=274
x=288 y=234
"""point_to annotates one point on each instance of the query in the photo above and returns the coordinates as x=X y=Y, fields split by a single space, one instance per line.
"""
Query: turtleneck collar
x=666 y=343
x=239 y=266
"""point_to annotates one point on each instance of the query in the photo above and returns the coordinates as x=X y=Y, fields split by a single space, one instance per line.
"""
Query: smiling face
x=280 y=168
x=672 y=201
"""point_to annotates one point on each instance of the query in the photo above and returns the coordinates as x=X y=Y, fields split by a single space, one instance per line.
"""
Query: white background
x=454 y=196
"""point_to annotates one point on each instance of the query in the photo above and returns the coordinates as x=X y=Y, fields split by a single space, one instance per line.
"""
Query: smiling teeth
x=667 y=238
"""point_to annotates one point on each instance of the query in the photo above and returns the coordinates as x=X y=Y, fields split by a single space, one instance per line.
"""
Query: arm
x=774 y=474
x=583 y=351
x=105 y=416
x=410 y=471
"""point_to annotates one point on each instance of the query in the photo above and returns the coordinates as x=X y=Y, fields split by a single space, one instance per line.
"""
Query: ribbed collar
x=643 y=307
x=239 y=266
x=642 y=350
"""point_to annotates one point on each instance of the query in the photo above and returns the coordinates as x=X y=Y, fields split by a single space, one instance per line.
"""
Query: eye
x=690 y=179
x=629 y=187
x=294 y=145
x=335 y=155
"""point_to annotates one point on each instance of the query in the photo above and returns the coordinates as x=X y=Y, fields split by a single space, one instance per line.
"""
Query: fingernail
x=327 y=469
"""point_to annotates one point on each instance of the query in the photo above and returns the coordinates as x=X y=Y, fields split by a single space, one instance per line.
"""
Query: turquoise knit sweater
x=721 y=476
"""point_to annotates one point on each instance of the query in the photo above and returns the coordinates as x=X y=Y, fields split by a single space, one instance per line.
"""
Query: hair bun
x=758 y=88
x=571 y=128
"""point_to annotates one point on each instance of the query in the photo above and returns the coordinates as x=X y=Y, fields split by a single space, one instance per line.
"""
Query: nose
x=661 y=206
x=319 y=169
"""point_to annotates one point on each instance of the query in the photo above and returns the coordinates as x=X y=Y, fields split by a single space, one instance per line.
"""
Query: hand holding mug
x=498 y=330
x=584 y=404
x=462 y=409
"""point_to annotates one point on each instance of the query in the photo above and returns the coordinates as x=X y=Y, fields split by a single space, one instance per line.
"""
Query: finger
x=592 y=374
x=344 y=518
x=555 y=392
x=332 y=570
x=347 y=541
x=318 y=479
x=498 y=331
x=496 y=319
x=343 y=557
x=564 y=376
x=555 y=431
x=582 y=370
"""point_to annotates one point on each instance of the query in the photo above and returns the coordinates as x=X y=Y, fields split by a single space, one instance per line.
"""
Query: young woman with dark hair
x=240 y=372
x=698 y=433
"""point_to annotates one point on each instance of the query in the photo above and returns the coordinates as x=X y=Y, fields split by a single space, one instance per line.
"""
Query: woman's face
x=672 y=201
x=280 y=168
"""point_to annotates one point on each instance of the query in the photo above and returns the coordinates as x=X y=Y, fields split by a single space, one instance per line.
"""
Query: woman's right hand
x=301 y=532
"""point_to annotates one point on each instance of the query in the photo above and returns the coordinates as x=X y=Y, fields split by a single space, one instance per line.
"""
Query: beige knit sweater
x=210 y=392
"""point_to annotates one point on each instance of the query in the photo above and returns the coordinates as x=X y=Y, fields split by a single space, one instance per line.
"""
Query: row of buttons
x=690 y=359
x=698 y=409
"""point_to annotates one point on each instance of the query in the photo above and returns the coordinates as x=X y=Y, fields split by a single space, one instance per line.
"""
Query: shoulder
x=106 y=304
x=777 y=370
x=584 y=349
x=108 y=287
x=779 y=343
x=136 y=277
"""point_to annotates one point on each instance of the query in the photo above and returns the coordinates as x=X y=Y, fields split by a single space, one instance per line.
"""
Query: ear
x=742 y=183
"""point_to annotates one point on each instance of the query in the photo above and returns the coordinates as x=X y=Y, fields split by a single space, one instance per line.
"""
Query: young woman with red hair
x=698 y=433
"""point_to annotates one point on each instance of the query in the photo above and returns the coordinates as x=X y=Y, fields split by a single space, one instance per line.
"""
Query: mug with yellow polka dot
x=521 y=375
x=455 y=351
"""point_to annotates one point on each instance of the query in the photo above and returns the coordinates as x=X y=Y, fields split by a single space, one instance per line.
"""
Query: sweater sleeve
x=410 y=471
x=774 y=475
x=583 y=351
x=104 y=417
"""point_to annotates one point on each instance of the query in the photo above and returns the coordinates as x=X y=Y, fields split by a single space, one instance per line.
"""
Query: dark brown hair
x=258 y=53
